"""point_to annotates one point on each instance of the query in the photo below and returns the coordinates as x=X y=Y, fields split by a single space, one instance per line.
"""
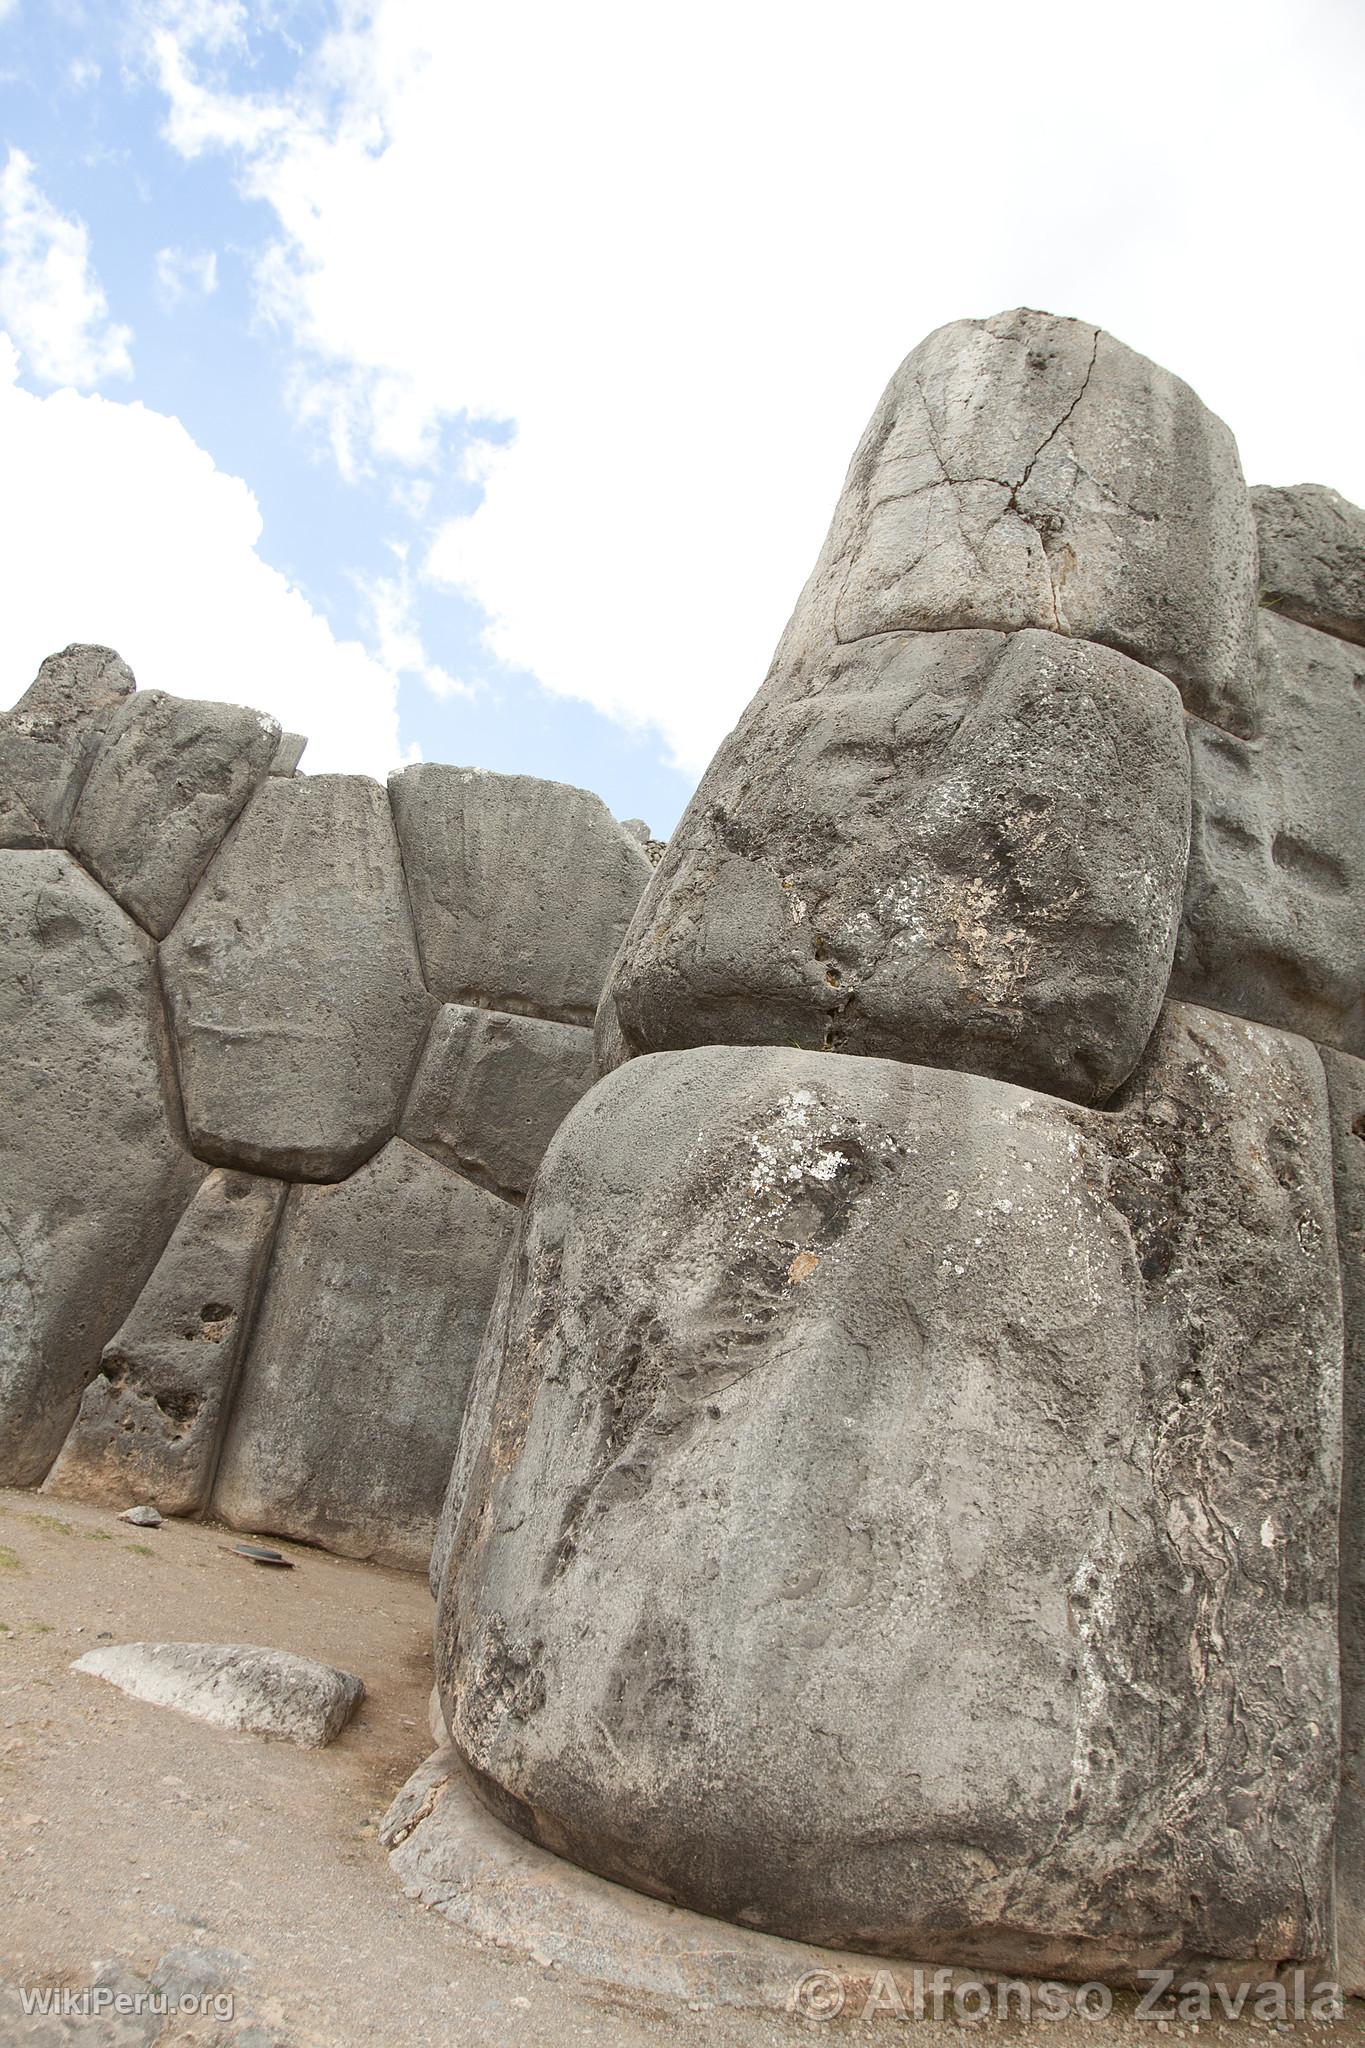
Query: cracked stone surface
x=963 y=849
x=295 y=988
x=169 y=779
x=234 y=1685
x=93 y=1168
x=1273 y=925
x=151 y=1419
x=1032 y=471
x=1312 y=548
x=344 y=1426
x=492 y=1090
x=899 y=1510
x=1346 y=1089
x=48 y=740
x=522 y=889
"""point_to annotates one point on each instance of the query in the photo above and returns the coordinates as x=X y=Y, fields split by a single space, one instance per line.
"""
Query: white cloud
x=51 y=303
x=125 y=533
x=684 y=248
x=183 y=274
x=390 y=601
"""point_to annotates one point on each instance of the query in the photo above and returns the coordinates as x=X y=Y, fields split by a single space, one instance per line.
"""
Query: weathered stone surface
x=289 y=753
x=234 y=1685
x=169 y=779
x=1273 y=924
x=1312 y=549
x=48 y=741
x=963 y=849
x=522 y=889
x=346 y=1419
x=492 y=1090
x=151 y=1419
x=93 y=1170
x=1346 y=1089
x=294 y=983
x=899 y=1510
x=1032 y=471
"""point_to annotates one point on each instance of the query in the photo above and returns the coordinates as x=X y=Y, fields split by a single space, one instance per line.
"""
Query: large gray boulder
x=151 y=1419
x=522 y=889
x=1346 y=1088
x=1032 y=471
x=48 y=741
x=295 y=987
x=172 y=775
x=963 y=849
x=1273 y=924
x=93 y=1169
x=234 y=1685
x=899 y=1511
x=345 y=1424
x=1312 y=547
x=492 y=1090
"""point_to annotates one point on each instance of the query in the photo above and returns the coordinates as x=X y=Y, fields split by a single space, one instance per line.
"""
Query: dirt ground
x=141 y=1847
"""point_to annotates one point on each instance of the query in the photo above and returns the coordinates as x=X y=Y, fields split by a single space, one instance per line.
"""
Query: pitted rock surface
x=962 y=849
x=1312 y=549
x=1273 y=924
x=492 y=1090
x=294 y=983
x=48 y=741
x=93 y=1167
x=899 y=1510
x=344 y=1427
x=1032 y=471
x=170 y=778
x=1346 y=1088
x=522 y=889
x=151 y=1419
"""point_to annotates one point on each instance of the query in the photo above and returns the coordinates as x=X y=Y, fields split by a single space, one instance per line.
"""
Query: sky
x=476 y=383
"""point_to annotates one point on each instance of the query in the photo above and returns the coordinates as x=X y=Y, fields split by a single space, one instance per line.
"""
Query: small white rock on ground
x=234 y=1685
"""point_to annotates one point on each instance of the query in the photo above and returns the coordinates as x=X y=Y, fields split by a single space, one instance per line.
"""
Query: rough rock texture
x=48 y=740
x=93 y=1169
x=899 y=1510
x=1032 y=471
x=234 y=1685
x=345 y=1422
x=295 y=988
x=963 y=849
x=521 y=889
x=1274 y=920
x=289 y=753
x=1346 y=1088
x=492 y=1090
x=169 y=779
x=1312 y=548
x=151 y=1419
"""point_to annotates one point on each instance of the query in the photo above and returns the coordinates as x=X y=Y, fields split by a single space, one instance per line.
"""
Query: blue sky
x=538 y=339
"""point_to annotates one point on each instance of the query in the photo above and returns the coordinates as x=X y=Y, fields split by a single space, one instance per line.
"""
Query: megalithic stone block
x=1032 y=471
x=962 y=849
x=1346 y=1088
x=295 y=989
x=93 y=1167
x=1312 y=557
x=171 y=776
x=349 y=1405
x=49 y=739
x=492 y=1090
x=151 y=1420
x=898 y=1510
x=1274 y=918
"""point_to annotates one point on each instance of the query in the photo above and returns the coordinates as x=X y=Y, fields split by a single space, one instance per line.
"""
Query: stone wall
x=898 y=1505
x=283 y=1054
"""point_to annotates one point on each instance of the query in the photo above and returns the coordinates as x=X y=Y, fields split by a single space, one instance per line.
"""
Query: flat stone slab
x=897 y=1509
x=295 y=989
x=491 y=1091
x=234 y=1685
x=151 y=1420
x=962 y=849
x=1312 y=550
x=522 y=889
x=171 y=776
x=49 y=739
